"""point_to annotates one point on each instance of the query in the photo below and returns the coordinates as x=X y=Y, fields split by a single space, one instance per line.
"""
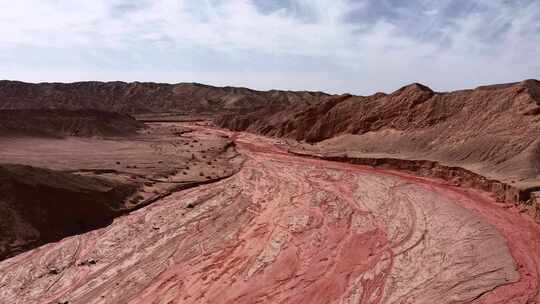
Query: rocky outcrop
x=138 y=97
x=59 y=123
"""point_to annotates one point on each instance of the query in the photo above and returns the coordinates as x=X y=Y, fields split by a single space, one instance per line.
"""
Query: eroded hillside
x=491 y=130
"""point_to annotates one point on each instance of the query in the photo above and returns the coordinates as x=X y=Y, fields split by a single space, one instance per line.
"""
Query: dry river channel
x=287 y=229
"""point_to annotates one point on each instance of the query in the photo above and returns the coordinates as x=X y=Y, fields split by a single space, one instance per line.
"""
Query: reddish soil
x=289 y=229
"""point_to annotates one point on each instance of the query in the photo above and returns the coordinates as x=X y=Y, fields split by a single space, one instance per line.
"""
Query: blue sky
x=356 y=46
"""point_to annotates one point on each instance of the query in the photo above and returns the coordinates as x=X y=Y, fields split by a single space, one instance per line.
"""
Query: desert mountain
x=138 y=97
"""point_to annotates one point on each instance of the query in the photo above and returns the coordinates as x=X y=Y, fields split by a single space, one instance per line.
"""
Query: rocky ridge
x=145 y=97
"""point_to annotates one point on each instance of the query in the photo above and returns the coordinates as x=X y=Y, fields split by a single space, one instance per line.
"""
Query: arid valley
x=270 y=152
x=268 y=197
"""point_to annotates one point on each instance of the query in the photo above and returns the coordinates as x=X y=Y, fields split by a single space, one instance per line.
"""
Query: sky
x=337 y=46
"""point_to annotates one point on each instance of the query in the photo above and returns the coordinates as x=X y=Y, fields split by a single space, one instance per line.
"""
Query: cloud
x=335 y=45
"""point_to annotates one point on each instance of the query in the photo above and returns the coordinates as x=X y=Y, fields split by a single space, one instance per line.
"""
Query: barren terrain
x=410 y=197
x=58 y=186
x=288 y=229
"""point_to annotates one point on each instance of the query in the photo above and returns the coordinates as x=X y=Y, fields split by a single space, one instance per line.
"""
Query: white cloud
x=322 y=39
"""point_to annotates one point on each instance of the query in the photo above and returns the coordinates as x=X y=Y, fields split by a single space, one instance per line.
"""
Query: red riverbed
x=287 y=229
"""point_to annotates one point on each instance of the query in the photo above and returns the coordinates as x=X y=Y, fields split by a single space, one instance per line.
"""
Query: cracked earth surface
x=287 y=229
